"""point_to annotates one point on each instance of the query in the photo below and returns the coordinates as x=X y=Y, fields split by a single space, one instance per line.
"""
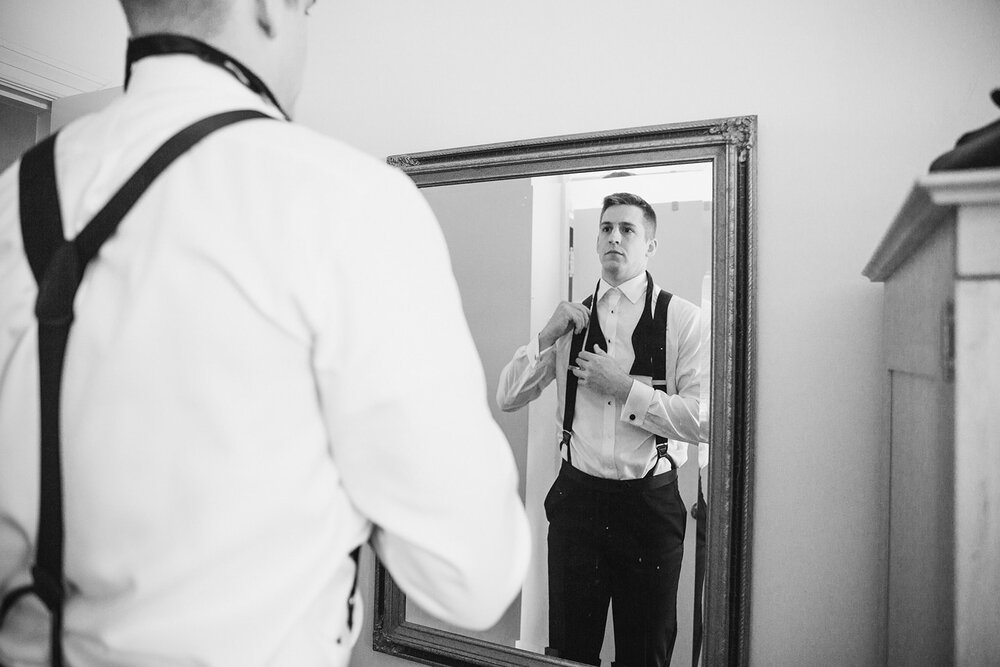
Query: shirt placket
x=613 y=298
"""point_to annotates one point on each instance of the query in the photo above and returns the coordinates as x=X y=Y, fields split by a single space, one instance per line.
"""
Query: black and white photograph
x=375 y=333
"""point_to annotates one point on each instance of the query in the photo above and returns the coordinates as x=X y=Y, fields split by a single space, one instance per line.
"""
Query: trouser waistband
x=616 y=485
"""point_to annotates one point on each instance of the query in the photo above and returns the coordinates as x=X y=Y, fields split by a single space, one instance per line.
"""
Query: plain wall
x=85 y=37
x=853 y=99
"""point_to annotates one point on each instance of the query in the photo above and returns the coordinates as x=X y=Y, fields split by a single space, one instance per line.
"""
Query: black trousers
x=617 y=541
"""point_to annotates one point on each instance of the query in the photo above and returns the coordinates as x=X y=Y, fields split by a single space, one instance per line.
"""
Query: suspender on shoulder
x=58 y=265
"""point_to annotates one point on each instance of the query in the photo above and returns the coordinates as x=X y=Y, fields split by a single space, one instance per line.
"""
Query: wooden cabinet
x=940 y=262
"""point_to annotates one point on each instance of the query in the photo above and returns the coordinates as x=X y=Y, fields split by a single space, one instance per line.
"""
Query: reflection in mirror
x=521 y=221
x=562 y=213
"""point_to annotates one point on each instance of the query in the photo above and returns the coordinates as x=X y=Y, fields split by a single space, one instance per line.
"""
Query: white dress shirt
x=611 y=439
x=249 y=393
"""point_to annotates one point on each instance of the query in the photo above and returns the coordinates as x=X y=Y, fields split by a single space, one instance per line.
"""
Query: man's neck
x=616 y=280
x=175 y=43
x=240 y=38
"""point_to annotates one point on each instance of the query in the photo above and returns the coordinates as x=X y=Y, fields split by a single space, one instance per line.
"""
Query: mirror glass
x=550 y=211
x=521 y=222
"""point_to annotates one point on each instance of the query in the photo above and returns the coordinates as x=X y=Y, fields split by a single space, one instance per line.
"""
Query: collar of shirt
x=633 y=288
x=95 y=154
x=187 y=72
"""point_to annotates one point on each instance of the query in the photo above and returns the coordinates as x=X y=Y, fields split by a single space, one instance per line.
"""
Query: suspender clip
x=662 y=452
x=564 y=439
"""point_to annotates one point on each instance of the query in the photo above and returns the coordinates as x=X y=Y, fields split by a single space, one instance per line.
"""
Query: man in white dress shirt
x=626 y=363
x=250 y=391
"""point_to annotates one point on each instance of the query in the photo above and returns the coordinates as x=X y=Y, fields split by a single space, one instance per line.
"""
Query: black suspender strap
x=106 y=221
x=58 y=267
x=658 y=354
x=41 y=221
x=41 y=229
x=576 y=346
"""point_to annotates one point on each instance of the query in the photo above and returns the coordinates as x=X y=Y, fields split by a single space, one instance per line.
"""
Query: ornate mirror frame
x=729 y=143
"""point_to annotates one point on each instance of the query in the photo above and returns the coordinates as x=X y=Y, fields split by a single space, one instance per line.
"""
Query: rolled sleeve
x=526 y=375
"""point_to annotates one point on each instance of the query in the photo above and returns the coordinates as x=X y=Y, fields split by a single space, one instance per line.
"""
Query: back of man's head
x=266 y=36
x=199 y=18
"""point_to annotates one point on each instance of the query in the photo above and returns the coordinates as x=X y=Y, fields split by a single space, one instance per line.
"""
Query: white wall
x=854 y=99
x=75 y=37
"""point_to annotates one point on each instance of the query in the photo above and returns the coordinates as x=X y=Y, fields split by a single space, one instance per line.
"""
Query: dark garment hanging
x=978 y=149
x=700 y=513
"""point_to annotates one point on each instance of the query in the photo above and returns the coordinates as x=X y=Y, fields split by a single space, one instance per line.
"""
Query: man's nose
x=616 y=235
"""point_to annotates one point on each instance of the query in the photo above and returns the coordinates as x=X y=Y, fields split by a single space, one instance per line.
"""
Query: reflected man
x=626 y=366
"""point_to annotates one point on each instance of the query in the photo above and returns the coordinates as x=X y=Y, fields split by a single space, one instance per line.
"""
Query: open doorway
x=24 y=120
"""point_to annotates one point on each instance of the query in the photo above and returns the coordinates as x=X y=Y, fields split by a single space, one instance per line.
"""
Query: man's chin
x=614 y=263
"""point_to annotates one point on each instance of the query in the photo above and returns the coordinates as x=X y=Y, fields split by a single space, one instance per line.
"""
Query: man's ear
x=265 y=21
x=650 y=247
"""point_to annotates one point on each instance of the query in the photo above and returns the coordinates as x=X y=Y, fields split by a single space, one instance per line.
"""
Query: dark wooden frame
x=730 y=143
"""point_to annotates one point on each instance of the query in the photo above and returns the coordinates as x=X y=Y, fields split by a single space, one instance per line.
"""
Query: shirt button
x=609 y=402
x=631 y=417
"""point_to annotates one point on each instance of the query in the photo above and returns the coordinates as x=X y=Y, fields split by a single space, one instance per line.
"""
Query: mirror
x=521 y=222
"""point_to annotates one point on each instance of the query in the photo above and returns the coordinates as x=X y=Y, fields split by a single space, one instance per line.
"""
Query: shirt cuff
x=637 y=403
x=534 y=353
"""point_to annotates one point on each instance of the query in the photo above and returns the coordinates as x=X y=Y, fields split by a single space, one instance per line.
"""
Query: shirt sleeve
x=524 y=378
x=675 y=416
x=404 y=396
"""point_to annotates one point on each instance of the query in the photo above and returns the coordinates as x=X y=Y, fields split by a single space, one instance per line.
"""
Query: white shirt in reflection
x=611 y=439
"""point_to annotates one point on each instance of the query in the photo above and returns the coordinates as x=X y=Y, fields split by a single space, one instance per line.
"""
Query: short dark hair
x=629 y=199
x=199 y=18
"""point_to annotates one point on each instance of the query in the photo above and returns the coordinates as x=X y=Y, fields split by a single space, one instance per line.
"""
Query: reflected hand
x=599 y=372
x=567 y=317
